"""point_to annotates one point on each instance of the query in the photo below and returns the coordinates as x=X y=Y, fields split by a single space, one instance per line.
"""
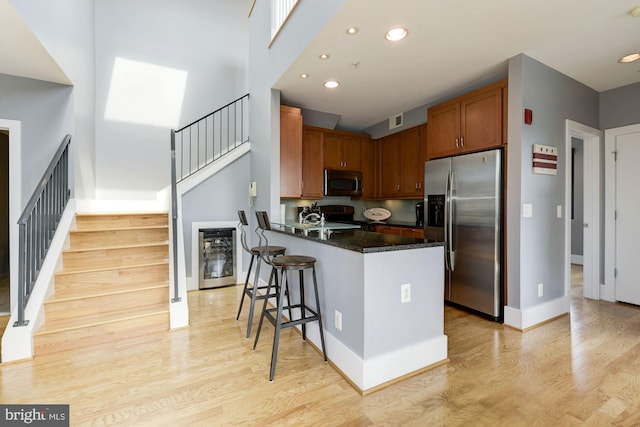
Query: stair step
x=101 y=278
x=92 y=259
x=101 y=238
x=76 y=292
x=68 y=334
x=120 y=220
x=114 y=284
x=117 y=298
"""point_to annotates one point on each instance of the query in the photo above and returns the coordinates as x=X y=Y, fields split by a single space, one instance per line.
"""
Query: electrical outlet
x=405 y=293
x=540 y=289
x=337 y=320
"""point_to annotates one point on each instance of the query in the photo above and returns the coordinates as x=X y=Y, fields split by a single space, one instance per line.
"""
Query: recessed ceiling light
x=352 y=30
x=304 y=76
x=396 y=34
x=324 y=56
x=635 y=11
x=331 y=84
x=630 y=58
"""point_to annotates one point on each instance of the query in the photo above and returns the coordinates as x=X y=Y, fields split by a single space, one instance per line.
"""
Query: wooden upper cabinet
x=390 y=148
x=368 y=167
x=312 y=170
x=444 y=130
x=341 y=151
x=410 y=164
x=471 y=122
x=481 y=121
x=402 y=157
x=290 y=152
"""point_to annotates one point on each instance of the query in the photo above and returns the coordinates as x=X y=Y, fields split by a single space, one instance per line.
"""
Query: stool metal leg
x=254 y=293
x=246 y=283
x=303 y=309
x=276 y=337
x=264 y=306
x=315 y=289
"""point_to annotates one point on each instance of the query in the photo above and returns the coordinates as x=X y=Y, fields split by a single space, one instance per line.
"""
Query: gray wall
x=65 y=28
x=620 y=107
x=208 y=40
x=217 y=199
x=267 y=65
x=536 y=245
x=45 y=110
x=578 y=197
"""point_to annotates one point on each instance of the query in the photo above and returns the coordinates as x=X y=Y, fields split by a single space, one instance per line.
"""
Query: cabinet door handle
x=398 y=187
x=462 y=141
x=457 y=143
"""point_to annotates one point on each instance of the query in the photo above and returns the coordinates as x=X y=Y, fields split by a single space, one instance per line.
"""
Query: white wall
x=267 y=65
x=208 y=40
x=65 y=28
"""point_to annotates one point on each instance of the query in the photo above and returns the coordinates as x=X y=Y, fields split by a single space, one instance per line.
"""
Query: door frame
x=15 y=201
x=609 y=289
x=591 y=191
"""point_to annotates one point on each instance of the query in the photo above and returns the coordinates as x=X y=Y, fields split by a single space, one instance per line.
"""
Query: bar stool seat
x=283 y=265
x=292 y=261
x=255 y=291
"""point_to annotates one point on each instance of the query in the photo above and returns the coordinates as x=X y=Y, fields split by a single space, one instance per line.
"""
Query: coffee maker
x=420 y=214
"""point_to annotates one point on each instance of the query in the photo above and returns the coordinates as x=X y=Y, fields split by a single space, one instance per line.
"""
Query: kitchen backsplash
x=401 y=210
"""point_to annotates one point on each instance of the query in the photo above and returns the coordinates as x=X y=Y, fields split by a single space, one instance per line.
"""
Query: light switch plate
x=527 y=210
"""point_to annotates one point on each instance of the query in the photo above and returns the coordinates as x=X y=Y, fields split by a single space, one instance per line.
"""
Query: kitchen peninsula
x=382 y=301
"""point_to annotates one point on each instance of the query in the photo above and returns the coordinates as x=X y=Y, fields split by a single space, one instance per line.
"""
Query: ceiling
x=453 y=45
x=21 y=52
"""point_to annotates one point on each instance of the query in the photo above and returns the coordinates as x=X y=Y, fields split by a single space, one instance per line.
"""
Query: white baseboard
x=367 y=374
x=527 y=318
x=577 y=259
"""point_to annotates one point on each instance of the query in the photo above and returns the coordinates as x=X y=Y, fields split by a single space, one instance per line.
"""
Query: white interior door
x=627 y=226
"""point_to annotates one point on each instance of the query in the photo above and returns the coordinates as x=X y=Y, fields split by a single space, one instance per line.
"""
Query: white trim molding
x=591 y=230
x=534 y=316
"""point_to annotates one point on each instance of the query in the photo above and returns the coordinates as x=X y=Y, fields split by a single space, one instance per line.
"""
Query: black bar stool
x=253 y=291
x=282 y=265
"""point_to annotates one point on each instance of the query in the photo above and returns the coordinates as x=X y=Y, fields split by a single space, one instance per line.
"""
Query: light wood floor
x=582 y=369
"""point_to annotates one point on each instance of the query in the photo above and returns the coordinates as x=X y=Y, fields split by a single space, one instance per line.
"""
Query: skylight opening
x=146 y=94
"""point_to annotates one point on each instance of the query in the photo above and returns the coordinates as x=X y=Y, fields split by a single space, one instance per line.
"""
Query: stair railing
x=197 y=145
x=38 y=222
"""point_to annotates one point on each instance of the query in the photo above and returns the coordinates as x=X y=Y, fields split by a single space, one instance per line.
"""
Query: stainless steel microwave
x=342 y=183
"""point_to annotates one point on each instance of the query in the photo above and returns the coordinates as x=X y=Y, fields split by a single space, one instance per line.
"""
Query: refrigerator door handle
x=447 y=262
x=452 y=253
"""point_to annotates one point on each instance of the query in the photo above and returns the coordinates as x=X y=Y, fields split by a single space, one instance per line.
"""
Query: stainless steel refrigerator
x=463 y=208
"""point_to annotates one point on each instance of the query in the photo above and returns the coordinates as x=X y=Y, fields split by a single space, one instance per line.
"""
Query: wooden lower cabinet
x=416 y=232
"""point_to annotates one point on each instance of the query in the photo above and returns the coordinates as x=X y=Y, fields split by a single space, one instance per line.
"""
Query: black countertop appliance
x=420 y=214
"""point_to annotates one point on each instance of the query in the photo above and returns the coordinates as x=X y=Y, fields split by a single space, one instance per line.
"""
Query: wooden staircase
x=114 y=283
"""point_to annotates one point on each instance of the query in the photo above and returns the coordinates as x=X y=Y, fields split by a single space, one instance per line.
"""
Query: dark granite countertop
x=365 y=241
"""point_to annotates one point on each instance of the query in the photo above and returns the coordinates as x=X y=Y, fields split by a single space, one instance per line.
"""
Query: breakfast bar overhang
x=373 y=335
